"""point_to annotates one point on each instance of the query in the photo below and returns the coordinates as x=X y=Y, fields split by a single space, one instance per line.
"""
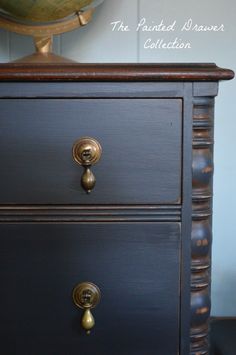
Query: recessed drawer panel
x=141 y=141
x=136 y=267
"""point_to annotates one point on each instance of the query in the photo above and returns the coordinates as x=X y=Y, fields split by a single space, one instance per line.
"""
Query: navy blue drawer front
x=141 y=141
x=136 y=267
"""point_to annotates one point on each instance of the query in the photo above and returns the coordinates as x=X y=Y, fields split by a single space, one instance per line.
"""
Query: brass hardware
x=87 y=296
x=43 y=44
x=87 y=152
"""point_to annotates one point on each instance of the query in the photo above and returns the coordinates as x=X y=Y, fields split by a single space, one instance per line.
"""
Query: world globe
x=44 y=18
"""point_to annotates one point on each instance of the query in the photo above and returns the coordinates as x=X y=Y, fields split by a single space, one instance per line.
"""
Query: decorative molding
x=201 y=238
x=86 y=213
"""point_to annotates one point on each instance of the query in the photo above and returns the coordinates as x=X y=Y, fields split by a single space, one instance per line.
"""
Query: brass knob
x=87 y=296
x=87 y=152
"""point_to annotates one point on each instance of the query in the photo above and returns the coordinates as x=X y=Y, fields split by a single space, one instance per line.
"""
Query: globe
x=41 y=10
x=44 y=18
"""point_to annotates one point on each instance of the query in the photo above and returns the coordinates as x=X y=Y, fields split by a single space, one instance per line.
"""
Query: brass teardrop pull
x=87 y=152
x=88 y=321
x=88 y=179
x=86 y=296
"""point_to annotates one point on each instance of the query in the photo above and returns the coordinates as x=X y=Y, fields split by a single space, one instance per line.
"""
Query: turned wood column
x=201 y=238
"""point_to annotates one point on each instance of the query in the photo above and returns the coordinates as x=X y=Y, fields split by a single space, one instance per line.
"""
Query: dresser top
x=113 y=72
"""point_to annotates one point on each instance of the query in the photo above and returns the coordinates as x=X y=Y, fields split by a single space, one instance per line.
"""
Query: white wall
x=97 y=43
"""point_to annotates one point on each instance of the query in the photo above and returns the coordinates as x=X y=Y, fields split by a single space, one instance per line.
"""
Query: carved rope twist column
x=201 y=239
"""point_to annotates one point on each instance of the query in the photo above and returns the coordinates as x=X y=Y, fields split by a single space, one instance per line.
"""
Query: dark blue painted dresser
x=105 y=208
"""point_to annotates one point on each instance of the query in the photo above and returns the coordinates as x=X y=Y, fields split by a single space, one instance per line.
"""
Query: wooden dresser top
x=113 y=72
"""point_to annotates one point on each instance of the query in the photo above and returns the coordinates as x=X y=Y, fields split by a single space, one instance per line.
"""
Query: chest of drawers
x=133 y=250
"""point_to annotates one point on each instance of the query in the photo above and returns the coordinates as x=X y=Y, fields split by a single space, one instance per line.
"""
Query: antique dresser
x=105 y=208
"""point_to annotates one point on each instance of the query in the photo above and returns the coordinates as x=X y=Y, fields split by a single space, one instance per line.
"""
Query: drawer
x=141 y=142
x=136 y=266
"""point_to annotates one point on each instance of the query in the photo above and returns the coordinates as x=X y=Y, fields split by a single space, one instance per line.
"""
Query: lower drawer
x=136 y=266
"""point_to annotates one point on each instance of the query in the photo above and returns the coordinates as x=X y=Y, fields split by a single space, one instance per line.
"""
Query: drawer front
x=141 y=142
x=136 y=267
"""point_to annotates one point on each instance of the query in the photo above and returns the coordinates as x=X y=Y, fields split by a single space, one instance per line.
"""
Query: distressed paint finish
x=149 y=240
x=95 y=44
x=203 y=122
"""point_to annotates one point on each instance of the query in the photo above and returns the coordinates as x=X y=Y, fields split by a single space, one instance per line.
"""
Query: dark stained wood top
x=113 y=72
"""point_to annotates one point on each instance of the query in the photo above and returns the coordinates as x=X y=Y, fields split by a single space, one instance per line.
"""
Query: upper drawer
x=141 y=143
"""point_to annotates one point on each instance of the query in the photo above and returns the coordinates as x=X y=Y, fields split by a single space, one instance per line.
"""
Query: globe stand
x=43 y=53
x=43 y=36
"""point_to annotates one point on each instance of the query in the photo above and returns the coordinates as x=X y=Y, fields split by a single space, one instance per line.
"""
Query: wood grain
x=114 y=72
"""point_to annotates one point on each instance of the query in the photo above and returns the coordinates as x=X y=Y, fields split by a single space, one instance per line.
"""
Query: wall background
x=97 y=43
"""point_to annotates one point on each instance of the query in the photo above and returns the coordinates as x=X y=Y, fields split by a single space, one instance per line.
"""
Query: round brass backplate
x=87 y=151
x=86 y=295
